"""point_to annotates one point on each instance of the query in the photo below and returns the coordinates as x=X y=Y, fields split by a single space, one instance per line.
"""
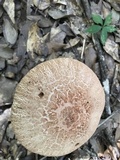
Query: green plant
x=101 y=25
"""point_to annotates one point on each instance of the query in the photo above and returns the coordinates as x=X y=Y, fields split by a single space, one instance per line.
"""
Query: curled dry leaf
x=9 y=7
x=41 y=4
x=34 y=40
x=112 y=49
x=36 y=43
x=9 y=32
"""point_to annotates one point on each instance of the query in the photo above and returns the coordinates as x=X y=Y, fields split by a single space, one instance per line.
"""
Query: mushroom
x=57 y=107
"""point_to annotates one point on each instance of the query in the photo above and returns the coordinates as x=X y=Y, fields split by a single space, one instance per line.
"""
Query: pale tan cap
x=57 y=107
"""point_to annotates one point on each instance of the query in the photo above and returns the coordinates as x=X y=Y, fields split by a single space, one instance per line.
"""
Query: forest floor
x=35 y=31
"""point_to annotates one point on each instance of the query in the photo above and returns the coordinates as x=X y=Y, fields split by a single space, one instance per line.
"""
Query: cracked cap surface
x=57 y=107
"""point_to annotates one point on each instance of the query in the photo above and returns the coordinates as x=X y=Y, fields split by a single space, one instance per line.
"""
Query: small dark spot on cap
x=41 y=94
x=76 y=144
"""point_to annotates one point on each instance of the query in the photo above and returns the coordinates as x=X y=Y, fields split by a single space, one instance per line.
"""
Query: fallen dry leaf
x=112 y=49
x=34 y=40
x=10 y=33
x=9 y=7
x=57 y=13
x=57 y=35
x=41 y=4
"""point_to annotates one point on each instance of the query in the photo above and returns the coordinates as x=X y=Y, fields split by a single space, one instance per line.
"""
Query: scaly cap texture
x=57 y=107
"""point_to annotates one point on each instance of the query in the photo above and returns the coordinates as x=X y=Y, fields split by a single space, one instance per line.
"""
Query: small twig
x=18 y=156
x=116 y=84
x=87 y=9
x=43 y=158
x=105 y=80
x=106 y=121
x=83 y=48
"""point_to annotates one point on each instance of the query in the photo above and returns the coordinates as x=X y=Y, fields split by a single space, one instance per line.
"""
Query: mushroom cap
x=57 y=107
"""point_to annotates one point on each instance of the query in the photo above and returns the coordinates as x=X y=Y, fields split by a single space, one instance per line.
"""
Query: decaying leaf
x=115 y=4
x=44 y=22
x=96 y=7
x=110 y=63
x=54 y=46
x=41 y=4
x=9 y=7
x=112 y=49
x=90 y=56
x=67 y=29
x=72 y=8
x=57 y=35
x=7 y=88
x=10 y=33
x=57 y=14
x=56 y=42
x=77 y=26
x=113 y=152
x=115 y=17
x=34 y=40
x=117 y=133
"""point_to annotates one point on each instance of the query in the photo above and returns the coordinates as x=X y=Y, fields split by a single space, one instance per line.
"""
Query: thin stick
x=83 y=48
x=105 y=80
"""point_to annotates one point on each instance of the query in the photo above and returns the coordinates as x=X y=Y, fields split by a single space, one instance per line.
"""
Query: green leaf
x=93 y=29
x=97 y=19
x=108 y=20
x=103 y=36
x=110 y=29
